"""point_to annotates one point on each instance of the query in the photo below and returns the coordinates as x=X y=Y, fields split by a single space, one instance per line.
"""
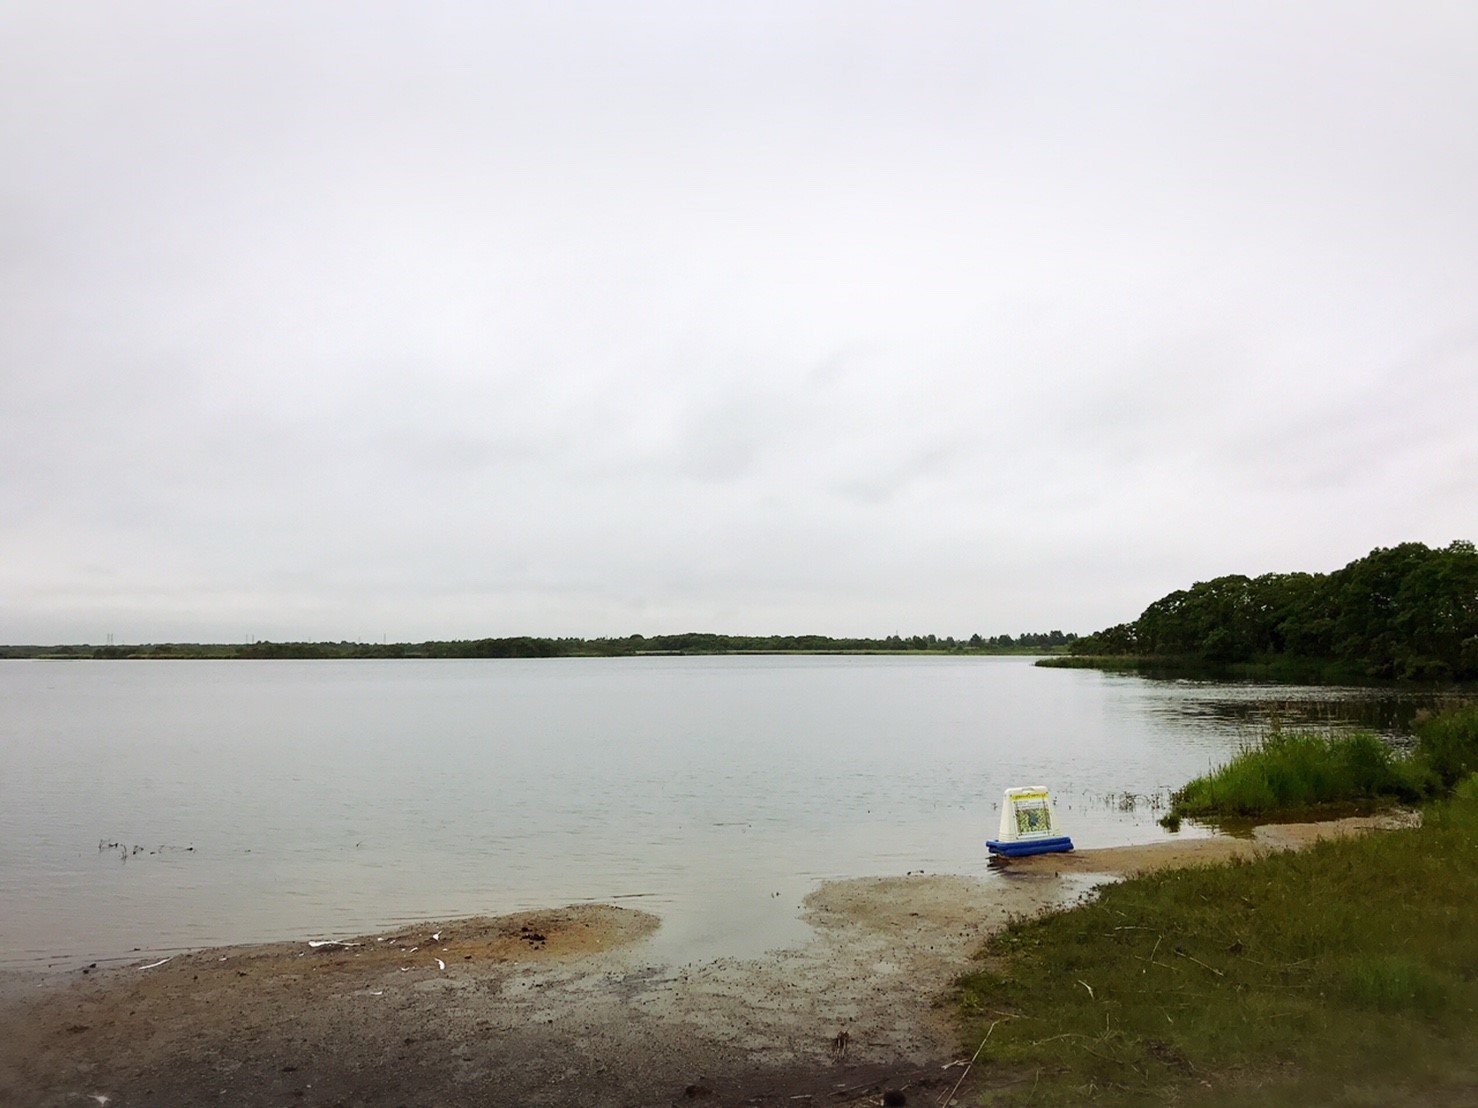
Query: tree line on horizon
x=1406 y=612
x=525 y=646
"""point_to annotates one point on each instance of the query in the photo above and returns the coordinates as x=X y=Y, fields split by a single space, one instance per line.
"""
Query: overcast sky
x=445 y=320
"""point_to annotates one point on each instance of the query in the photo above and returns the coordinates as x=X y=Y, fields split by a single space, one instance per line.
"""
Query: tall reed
x=1292 y=772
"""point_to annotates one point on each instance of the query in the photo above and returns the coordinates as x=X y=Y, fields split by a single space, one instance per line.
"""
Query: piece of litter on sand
x=436 y=938
x=161 y=962
x=316 y=943
x=440 y=964
x=379 y=993
x=405 y=969
x=100 y=1098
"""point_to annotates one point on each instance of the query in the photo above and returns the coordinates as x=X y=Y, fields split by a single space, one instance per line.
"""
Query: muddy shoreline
x=558 y=1007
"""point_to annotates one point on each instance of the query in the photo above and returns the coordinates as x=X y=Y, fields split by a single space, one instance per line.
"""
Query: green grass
x=1294 y=772
x=1447 y=744
x=1343 y=974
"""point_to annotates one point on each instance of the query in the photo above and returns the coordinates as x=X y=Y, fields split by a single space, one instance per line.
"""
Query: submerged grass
x=1277 y=668
x=1343 y=974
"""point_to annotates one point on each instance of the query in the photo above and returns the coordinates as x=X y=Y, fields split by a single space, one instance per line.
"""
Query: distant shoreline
x=683 y=645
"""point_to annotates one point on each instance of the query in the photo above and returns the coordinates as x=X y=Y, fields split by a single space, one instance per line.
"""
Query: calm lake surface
x=279 y=800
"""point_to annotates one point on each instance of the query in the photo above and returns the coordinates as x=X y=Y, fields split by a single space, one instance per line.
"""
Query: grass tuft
x=1295 y=772
x=1447 y=743
x=1393 y=983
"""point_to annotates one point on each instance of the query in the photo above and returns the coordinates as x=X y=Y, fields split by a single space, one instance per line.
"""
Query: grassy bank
x=1343 y=974
x=1297 y=773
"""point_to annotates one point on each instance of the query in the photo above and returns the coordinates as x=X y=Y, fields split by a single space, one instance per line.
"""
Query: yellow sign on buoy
x=1028 y=824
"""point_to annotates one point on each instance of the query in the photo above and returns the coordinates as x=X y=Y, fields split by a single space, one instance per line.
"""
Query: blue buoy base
x=1057 y=845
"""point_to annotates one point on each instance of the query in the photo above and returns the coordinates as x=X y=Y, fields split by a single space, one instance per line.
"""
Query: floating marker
x=1028 y=825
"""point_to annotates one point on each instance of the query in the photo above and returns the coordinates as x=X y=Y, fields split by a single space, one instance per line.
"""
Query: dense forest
x=1405 y=612
x=523 y=646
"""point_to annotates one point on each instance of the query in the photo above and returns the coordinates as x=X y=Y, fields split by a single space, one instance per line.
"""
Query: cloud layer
x=341 y=321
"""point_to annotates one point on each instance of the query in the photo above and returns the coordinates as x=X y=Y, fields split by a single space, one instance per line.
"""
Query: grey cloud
x=339 y=320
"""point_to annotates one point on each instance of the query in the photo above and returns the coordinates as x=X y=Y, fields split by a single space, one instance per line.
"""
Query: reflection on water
x=293 y=799
x=1255 y=709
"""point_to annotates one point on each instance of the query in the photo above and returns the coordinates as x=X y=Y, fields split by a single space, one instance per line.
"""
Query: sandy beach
x=560 y=1007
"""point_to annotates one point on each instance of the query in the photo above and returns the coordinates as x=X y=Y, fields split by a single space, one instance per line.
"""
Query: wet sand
x=1127 y=861
x=560 y=1007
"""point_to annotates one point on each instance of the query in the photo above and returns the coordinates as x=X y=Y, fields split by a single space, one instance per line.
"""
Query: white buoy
x=1028 y=824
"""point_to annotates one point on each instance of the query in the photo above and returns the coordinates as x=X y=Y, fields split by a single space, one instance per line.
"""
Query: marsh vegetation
x=1340 y=974
x=1299 y=773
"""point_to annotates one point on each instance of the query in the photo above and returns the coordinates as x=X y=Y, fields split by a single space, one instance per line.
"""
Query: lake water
x=275 y=800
